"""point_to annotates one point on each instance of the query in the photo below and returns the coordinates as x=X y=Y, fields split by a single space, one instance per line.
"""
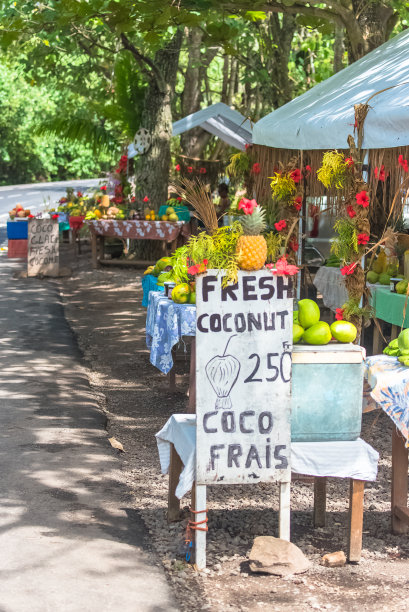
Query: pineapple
x=251 y=246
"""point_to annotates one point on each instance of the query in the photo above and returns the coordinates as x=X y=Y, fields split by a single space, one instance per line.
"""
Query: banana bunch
x=394 y=351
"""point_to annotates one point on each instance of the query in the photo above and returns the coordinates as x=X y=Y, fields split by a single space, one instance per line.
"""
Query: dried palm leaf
x=196 y=193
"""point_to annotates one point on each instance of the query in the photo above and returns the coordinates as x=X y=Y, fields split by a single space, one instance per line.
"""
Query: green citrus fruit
x=319 y=333
x=384 y=279
x=297 y=333
x=343 y=331
x=192 y=297
x=308 y=313
x=372 y=277
x=402 y=286
x=181 y=293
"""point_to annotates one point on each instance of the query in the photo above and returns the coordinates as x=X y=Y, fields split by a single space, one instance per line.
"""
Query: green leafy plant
x=346 y=243
x=333 y=170
x=239 y=165
x=351 y=308
x=283 y=186
x=274 y=242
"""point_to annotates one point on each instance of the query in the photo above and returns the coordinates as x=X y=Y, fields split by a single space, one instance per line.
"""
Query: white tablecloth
x=330 y=283
x=355 y=459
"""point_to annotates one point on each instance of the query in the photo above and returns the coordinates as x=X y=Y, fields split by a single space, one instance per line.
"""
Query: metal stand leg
x=284 y=512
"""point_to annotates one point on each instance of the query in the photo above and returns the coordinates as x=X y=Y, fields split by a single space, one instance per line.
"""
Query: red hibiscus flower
x=308 y=169
x=362 y=198
x=380 y=173
x=296 y=175
x=280 y=225
x=282 y=268
x=202 y=170
x=294 y=245
x=54 y=216
x=198 y=268
x=298 y=203
x=247 y=146
x=247 y=206
x=351 y=211
x=349 y=161
x=79 y=194
x=339 y=314
x=348 y=269
x=103 y=188
x=146 y=199
x=133 y=199
x=363 y=239
x=30 y=217
x=177 y=167
x=190 y=169
x=256 y=168
x=403 y=163
x=179 y=199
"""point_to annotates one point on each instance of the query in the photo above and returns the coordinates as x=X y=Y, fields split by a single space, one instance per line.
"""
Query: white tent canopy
x=323 y=117
x=221 y=121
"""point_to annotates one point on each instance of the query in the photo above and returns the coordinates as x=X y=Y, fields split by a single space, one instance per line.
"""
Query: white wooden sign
x=43 y=247
x=243 y=378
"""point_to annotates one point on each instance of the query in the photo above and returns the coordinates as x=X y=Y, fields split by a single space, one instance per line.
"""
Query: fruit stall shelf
x=168 y=232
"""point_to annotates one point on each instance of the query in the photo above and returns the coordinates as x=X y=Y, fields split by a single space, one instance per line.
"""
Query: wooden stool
x=356 y=505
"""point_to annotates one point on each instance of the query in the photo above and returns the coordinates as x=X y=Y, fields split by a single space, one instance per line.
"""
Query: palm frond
x=78 y=129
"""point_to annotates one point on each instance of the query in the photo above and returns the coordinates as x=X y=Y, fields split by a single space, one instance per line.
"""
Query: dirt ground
x=104 y=309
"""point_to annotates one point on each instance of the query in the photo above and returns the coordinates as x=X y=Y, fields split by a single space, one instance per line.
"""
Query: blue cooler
x=327 y=385
x=17 y=230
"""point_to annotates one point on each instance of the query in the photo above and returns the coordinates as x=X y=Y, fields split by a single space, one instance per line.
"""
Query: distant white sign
x=43 y=247
x=243 y=378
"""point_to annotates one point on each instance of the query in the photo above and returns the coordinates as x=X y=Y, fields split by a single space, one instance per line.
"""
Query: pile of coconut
x=19 y=211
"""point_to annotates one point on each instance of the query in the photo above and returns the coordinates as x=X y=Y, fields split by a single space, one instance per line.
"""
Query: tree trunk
x=152 y=168
x=376 y=21
x=338 y=48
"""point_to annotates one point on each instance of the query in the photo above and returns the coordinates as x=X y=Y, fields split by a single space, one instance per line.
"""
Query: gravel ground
x=104 y=309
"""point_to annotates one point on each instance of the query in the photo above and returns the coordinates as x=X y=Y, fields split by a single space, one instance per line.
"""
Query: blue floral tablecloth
x=149 y=283
x=389 y=387
x=166 y=323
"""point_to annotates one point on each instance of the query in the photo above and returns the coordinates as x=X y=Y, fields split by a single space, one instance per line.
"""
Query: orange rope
x=194 y=525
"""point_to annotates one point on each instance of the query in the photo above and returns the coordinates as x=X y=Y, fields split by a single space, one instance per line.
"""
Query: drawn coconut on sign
x=222 y=372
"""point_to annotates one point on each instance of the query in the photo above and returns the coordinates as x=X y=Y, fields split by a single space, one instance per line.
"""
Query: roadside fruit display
x=181 y=293
x=20 y=212
x=308 y=328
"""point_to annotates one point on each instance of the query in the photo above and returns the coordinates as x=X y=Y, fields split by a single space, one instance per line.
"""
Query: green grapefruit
x=297 y=333
x=192 y=297
x=181 y=293
x=308 y=313
x=319 y=333
x=343 y=331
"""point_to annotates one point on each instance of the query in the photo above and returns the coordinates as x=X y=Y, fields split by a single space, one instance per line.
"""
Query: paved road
x=69 y=539
x=35 y=197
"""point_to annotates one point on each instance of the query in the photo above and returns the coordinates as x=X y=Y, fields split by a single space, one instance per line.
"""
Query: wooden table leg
x=192 y=379
x=172 y=380
x=356 y=516
x=94 y=250
x=377 y=340
x=320 y=501
x=395 y=330
x=175 y=469
x=399 y=497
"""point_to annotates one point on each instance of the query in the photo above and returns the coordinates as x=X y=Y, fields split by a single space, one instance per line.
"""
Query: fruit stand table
x=389 y=382
x=388 y=308
x=355 y=460
x=166 y=324
x=168 y=232
x=149 y=283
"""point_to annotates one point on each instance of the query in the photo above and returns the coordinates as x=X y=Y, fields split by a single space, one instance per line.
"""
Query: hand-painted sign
x=243 y=378
x=43 y=247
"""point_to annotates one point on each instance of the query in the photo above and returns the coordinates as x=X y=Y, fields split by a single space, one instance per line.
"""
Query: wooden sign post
x=43 y=247
x=243 y=385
